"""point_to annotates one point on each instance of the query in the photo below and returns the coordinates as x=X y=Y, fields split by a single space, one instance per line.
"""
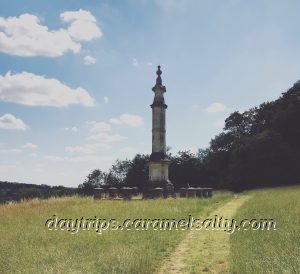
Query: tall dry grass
x=269 y=251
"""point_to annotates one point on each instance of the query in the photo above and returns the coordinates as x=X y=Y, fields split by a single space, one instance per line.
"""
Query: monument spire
x=158 y=79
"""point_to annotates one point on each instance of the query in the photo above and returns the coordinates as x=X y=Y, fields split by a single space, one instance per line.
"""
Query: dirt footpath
x=204 y=251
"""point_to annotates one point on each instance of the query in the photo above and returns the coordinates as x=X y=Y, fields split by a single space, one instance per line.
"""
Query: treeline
x=257 y=148
x=17 y=191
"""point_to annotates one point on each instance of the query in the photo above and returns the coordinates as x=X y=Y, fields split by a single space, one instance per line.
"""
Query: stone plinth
x=191 y=192
x=209 y=192
x=158 y=192
x=199 y=192
x=98 y=193
x=182 y=192
x=113 y=193
x=167 y=186
x=126 y=193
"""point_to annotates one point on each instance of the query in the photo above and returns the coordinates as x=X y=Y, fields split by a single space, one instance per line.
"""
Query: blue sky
x=76 y=77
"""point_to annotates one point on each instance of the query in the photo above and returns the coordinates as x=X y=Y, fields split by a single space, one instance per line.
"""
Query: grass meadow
x=269 y=251
x=26 y=246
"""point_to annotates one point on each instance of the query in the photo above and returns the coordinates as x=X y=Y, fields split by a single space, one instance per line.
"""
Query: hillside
x=11 y=191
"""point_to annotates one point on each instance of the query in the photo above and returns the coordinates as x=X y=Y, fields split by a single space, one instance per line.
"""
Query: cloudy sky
x=76 y=77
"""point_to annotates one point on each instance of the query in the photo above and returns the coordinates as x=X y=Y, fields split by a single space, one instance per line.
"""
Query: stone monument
x=159 y=161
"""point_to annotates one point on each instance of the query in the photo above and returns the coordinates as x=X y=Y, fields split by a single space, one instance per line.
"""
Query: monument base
x=150 y=190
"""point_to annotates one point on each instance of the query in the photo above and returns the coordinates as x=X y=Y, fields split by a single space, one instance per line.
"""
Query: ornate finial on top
x=158 y=79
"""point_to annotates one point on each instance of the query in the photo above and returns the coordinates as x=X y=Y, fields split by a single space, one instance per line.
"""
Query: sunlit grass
x=269 y=251
x=26 y=246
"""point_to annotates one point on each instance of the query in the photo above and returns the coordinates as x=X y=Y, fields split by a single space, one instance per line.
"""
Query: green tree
x=96 y=178
x=118 y=172
x=137 y=175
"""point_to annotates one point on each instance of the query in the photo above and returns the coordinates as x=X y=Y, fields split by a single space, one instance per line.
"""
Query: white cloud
x=216 y=107
x=87 y=148
x=34 y=90
x=11 y=150
x=72 y=129
x=30 y=146
x=83 y=15
x=135 y=62
x=89 y=60
x=105 y=99
x=9 y=121
x=98 y=126
x=115 y=121
x=83 y=25
x=26 y=36
x=128 y=119
x=105 y=137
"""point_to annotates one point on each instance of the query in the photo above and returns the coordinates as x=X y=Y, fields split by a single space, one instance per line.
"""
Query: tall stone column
x=159 y=162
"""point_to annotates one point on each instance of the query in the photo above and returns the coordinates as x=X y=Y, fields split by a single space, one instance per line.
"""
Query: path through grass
x=269 y=251
x=204 y=251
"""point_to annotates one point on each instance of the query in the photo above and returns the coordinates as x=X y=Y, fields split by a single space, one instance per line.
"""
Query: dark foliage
x=17 y=191
x=260 y=147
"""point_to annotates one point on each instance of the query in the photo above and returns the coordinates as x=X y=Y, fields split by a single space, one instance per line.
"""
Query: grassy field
x=26 y=246
x=269 y=251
